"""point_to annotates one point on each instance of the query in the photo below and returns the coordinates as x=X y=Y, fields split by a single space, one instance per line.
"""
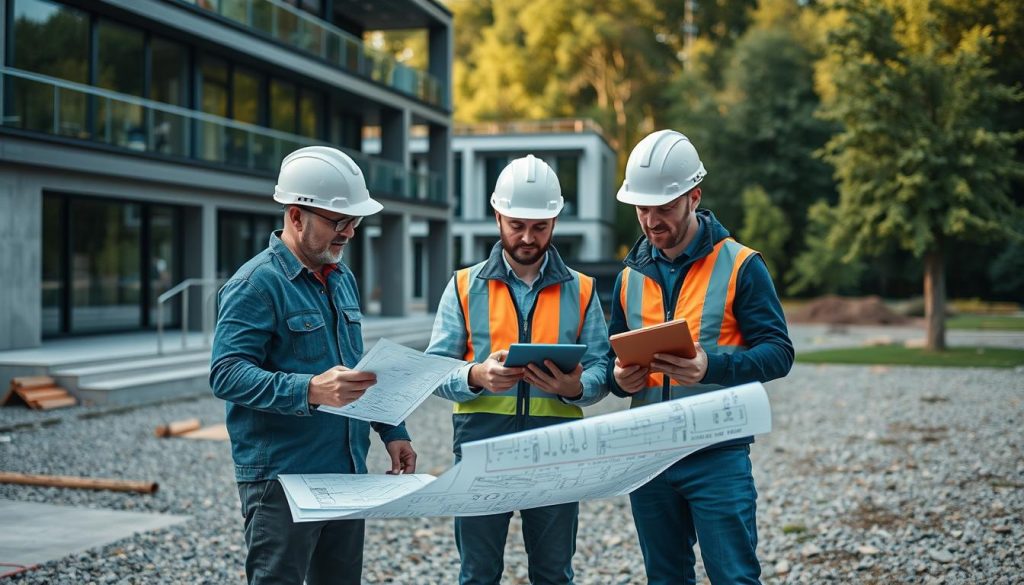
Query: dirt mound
x=847 y=311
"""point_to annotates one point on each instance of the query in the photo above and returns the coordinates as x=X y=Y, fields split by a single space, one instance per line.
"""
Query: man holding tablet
x=522 y=293
x=686 y=266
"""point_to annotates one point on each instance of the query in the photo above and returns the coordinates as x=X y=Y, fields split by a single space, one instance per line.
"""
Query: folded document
x=590 y=458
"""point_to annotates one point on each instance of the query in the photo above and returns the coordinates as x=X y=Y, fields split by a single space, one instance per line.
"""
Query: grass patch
x=987 y=322
x=957 y=357
x=793 y=529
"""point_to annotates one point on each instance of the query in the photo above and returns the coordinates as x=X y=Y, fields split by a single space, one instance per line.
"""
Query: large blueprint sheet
x=405 y=378
x=597 y=457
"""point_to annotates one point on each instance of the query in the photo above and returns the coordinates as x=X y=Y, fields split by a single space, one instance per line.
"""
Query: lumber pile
x=38 y=392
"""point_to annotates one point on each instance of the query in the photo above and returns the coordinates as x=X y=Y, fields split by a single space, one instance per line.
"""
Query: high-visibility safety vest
x=705 y=300
x=494 y=322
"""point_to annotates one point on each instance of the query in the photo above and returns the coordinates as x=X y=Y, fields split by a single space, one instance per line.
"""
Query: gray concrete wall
x=21 y=242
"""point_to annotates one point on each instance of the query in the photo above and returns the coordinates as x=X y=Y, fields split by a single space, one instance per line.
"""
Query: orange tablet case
x=640 y=345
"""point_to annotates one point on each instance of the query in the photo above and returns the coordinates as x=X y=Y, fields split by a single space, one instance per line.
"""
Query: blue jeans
x=549 y=534
x=708 y=497
x=284 y=552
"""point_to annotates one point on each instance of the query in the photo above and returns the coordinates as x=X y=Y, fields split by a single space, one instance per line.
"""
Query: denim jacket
x=277 y=327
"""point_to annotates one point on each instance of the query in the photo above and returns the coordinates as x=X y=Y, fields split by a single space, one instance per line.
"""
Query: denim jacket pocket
x=354 y=328
x=308 y=335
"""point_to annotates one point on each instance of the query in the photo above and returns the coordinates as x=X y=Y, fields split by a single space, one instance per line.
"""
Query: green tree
x=765 y=227
x=820 y=268
x=918 y=162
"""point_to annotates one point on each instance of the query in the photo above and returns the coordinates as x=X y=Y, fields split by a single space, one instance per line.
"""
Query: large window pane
x=164 y=225
x=310 y=113
x=493 y=165
x=53 y=40
x=568 y=178
x=53 y=264
x=169 y=84
x=457 y=187
x=120 y=67
x=105 y=290
x=247 y=106
x=282 y=106
x=213 y=99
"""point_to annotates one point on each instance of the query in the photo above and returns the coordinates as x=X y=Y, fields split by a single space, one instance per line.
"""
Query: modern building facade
x=140 y=141
x=575 y=149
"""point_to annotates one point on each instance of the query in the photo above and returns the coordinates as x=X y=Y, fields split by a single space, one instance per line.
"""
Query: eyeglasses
x=340 y=225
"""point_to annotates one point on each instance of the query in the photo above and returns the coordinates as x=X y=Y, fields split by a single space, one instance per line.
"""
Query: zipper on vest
x=670 y=309
x=522 y=388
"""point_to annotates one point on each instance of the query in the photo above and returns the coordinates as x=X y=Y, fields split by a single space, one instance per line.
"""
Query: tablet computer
x=565 y=355
x=638 y=347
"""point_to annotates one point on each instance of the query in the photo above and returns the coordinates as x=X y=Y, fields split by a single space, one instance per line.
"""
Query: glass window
x=568 y=170
x=457 y=180
x=246 y=106
x=213 y=99
x=105 y=244
x=120 y=67
x=53 y=264
x=311 y=107
x=240 y=236
x=169 y=84
x=164 y=260
x=282 y=106
x=53 y=40
x=493 y=165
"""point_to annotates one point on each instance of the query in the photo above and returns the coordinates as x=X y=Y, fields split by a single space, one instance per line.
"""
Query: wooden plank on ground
x=69 y=481
x=32 y=382
x=211 y=433
x=54 y=403
x=178 y=427
x=37 y=394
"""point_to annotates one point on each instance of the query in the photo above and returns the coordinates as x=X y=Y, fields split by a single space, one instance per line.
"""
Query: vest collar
x=555 y=272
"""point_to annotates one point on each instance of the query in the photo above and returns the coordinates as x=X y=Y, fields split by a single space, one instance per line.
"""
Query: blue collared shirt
x=449 y=338
x=277 y=327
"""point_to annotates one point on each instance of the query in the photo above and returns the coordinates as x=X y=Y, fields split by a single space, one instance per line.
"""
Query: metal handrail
x=373 y=167
x=182 y=288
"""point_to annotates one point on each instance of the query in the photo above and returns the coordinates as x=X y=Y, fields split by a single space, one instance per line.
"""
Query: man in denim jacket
x=288 y=331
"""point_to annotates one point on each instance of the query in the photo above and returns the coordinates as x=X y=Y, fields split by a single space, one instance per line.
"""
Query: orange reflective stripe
x=690 y=304
x=504 y=324
x=653 y=311
x=544 y=327
x=623 y=287
x=730 y=332
x=462 y=288
x=586 y=291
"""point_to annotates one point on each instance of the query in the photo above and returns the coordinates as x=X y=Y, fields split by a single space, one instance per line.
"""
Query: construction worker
x=686 y=265
x=288 y=332
x=522 y=293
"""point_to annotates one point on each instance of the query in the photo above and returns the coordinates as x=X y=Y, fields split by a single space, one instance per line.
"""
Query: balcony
x=553 y=126
x=70 y=110
x=305 y=32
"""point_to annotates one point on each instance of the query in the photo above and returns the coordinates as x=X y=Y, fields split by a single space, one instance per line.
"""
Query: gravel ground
x=872 y=475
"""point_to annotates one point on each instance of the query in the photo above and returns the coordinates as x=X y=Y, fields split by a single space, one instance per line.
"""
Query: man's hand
x=632 y=379
x=493 y=375
x=339 y=386
x=685 y=371
x=567 y=385
x=403 y=458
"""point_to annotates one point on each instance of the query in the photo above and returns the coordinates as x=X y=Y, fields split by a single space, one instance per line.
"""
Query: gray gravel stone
x=909 y=462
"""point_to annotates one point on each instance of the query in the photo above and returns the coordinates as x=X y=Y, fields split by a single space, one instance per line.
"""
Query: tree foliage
x=765 y=227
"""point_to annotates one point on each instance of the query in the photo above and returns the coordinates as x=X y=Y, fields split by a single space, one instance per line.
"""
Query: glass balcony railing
x=299 y=29
x=62 y=108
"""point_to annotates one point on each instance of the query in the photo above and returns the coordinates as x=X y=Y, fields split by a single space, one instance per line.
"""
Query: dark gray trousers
x=286 y=552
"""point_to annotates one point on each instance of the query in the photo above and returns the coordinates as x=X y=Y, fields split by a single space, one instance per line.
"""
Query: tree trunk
x=935 y=297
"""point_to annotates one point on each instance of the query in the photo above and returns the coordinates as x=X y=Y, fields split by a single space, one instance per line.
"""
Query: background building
x=578 y=152
x=140 y=140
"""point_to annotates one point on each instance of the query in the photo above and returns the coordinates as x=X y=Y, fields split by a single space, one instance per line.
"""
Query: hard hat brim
x=362 y=209
x=527 y=213
x=647 y=199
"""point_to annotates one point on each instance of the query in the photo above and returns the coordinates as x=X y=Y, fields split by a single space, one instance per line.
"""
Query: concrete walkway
x=35 y=533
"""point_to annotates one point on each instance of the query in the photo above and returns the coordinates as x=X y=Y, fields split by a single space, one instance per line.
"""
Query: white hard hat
x=527 y=189
x=326 y=178
x=662 y=166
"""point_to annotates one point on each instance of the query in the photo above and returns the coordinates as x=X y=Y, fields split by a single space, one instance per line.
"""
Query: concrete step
x=75 y=377
x=151 y=387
